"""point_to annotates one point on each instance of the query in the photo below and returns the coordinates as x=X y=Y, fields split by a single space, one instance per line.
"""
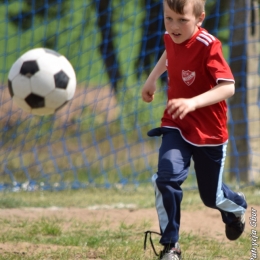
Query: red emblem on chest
x=188 y=77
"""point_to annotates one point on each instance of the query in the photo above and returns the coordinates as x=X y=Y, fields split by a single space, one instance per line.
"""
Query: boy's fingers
x=151 y=94
x=147 y=97
x=171 y=107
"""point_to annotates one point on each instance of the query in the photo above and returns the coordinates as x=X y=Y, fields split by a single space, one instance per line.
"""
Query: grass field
x=109 y=224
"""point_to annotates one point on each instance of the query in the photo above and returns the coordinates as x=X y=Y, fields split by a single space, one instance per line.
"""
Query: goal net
x=99 y=138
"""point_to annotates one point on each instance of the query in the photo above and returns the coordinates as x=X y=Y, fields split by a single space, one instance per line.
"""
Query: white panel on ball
x=66 y=65
x=15 y=69
x=21 y=86
x=33 y=54
x=56 y=98
x=49 y=63
x=22 y=104
x=42 y=83
x=71 y=88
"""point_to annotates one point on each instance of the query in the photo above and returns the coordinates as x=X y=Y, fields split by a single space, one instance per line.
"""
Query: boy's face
x=181 y=27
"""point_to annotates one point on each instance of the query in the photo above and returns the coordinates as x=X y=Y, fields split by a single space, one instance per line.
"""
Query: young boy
x=194 y=123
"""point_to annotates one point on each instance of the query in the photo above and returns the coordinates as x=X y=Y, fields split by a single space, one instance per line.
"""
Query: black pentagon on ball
x=35 y=101
x=61 y=80
x=10 y=88
x=52 y=52
x=29 y=68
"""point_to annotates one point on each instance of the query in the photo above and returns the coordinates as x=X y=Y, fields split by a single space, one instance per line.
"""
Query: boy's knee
x=209 y=201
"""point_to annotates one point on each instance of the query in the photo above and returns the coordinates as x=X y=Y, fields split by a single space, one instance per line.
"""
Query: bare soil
x=99 y=100
x=204 y=222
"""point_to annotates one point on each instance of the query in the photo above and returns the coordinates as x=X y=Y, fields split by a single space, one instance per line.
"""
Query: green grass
x=141 y=197
x=48 y=237
x=78 y=198
x=125 y=242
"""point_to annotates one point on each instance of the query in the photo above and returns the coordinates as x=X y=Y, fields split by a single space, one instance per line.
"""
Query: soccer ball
x=41 y=81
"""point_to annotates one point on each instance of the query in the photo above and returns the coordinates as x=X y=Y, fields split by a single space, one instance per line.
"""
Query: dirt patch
x=205 y=222
x=100 y=101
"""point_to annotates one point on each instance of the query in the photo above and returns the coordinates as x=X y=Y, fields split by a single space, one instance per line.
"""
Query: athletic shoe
x=235 y=229
x=172 y=253
x=167 y=253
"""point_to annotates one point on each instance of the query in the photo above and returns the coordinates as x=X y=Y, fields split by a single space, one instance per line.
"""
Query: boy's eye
x=183 y=20
x=168 y=18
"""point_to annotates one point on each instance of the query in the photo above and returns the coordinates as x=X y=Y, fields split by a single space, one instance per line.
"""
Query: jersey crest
x=188 y=77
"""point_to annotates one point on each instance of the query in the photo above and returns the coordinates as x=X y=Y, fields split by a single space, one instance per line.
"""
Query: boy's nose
x=174 y=26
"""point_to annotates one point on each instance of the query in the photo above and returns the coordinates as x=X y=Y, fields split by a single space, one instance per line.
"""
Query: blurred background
x=99 y=139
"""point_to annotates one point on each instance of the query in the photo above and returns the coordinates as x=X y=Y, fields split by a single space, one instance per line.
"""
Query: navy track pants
x=173 y=165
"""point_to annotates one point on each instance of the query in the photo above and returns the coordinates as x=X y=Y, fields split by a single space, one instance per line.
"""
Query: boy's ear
x=201 y=18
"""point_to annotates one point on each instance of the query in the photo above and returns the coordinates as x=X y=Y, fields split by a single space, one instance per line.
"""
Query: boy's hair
x=178 y=5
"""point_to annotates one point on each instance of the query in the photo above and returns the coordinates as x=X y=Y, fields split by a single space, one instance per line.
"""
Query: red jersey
x=194 y=67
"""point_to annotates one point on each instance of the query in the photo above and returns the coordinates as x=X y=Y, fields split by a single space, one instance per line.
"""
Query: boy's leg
x=174 y=162
x=209 y=167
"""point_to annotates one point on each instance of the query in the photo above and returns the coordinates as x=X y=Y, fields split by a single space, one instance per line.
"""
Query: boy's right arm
x=149 y=87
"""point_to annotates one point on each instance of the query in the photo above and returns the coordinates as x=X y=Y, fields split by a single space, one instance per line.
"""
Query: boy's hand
x=180 y=107
x=148 y=91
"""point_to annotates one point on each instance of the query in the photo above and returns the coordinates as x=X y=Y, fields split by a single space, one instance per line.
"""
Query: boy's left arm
x=181 y=107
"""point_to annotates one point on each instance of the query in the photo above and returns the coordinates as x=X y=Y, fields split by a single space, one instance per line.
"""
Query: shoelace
x=151 y=241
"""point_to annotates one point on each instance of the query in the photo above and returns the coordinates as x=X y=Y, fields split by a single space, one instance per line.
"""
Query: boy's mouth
x=176 y=34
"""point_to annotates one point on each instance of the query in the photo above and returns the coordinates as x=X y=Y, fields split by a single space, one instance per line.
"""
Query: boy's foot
x=171 y=253
x=235 y=229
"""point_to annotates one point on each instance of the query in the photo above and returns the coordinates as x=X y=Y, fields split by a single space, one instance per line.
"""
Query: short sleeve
x=217 y=65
